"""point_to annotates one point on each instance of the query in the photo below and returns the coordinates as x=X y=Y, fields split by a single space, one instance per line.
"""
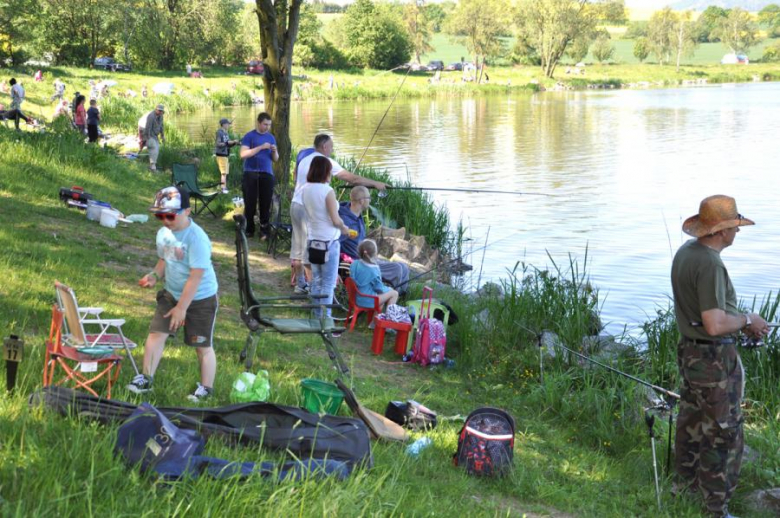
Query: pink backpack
x=431 y=343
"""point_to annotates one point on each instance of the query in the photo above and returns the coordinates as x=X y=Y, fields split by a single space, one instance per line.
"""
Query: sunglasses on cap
x=167 y=216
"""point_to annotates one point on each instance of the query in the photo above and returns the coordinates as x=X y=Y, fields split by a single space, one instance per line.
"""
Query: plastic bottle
x=417 y=446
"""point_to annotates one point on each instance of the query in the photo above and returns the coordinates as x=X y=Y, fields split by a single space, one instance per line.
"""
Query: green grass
x=581 y=447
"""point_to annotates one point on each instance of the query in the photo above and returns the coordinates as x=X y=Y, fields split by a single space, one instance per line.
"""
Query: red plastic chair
x=354 y=309
x=72 y=362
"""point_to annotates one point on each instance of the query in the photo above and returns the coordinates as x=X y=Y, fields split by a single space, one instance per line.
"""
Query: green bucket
x=321 y=396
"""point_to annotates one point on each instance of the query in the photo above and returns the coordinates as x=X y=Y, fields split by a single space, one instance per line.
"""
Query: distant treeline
x=168 y=34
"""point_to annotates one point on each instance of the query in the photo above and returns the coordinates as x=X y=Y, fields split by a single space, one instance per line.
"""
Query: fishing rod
x=382 y=119
x=456 y=259
x=668 y=393
x=479 y=191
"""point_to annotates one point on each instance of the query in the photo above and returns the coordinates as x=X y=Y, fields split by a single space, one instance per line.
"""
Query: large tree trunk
x=278 y=23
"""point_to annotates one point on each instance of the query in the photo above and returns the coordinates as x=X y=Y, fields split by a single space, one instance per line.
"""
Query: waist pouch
x=318 y=251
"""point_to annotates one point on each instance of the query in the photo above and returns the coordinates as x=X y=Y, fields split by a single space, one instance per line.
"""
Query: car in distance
x=454 y=66
x=111 y=65
x=435 y=65
x=255 y=67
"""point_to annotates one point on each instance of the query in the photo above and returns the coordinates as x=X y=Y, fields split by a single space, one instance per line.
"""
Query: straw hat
x=716 y=213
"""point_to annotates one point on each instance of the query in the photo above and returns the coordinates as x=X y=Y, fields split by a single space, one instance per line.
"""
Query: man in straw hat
x=709 y=441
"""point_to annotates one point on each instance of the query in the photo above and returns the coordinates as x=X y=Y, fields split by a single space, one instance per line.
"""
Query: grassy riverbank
x=229 y=86
x=581 y=448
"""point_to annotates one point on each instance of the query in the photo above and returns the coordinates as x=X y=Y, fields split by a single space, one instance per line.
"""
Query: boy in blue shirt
x=258 y=151
x=189 y=296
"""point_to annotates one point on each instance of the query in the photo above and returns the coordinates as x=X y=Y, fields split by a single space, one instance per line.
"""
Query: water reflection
x=625 y=168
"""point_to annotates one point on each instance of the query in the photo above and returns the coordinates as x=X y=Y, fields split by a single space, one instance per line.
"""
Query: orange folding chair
x=75 y=320
x=354 y=309
x=79 y=367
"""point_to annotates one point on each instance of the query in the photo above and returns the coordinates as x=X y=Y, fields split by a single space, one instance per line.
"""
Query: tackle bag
x=411 y=415
x=75 y=197
x=486 y=443
x=292 y=430
x=148 y=439
x=430 y=345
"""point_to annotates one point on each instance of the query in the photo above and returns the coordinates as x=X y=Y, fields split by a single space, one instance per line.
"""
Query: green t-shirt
x=700 y=282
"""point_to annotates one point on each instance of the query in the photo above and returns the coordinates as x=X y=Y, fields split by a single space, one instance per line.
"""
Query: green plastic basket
x=321 y=396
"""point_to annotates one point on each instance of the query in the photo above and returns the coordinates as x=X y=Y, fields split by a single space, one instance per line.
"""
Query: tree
x=437 y=13
x=420 y=27
x=549 y=26
x=660 y=34
x=76 y=31
x=708 y=22
x=685 y=36
x=578 y=49
x=312 y=48
x=769 y=18
x=641 y=49
x=278 y=23
x=374 y=36
x=479 y=25
x=603 y=49
x=738 y=31
x=17 y=19
x=611 y=12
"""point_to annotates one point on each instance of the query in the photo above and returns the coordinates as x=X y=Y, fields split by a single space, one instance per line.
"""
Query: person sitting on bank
x=368 y=279
x=394 y=273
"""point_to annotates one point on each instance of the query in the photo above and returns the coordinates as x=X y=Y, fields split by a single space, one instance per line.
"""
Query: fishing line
x=357 y=166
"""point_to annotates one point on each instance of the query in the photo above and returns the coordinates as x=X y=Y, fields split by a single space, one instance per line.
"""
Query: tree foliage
x=479 y=25
x=685 y=36
x=708 y=22
x=312 y=48
x=738 y=31
x=769 y=18
x=374 y=36
x=550 y=26
x=603 y=50
x=661 y=34
x=641 y=49
x=420 y=26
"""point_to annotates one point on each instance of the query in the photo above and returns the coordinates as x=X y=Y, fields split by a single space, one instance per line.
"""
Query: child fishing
x=368 y=278
x=222 y=151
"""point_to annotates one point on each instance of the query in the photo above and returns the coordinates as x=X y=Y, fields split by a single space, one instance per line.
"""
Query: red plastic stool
x=401 y=338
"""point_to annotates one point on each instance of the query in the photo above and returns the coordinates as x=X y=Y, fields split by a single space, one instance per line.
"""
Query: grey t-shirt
x=700 y=282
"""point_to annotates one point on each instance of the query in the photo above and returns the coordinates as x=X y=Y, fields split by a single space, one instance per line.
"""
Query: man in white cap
x=153 y=134
x=709 y=439
x=188 y=298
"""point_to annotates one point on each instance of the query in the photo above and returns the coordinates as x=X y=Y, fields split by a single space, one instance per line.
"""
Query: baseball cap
x=224 y=121
x=160 y=107
x=170 y=200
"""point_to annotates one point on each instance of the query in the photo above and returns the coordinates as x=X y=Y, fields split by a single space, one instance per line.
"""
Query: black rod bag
x=294 y=430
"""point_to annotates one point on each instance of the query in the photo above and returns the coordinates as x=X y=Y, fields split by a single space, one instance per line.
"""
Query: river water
x=624 y=169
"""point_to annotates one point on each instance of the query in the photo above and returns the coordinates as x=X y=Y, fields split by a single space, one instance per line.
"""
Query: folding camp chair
x=75 y=363
x=258 y=323
x=280 y=236
x=186 y=175
x=77 y=318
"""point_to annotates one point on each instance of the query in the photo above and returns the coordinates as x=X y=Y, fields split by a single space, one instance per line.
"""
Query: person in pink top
x=81 y=114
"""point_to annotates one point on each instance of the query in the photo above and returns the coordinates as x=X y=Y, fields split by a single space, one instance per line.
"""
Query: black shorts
x=198 y=322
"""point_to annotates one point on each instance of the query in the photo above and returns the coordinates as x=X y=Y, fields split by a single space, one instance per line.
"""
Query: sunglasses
x=167 y=216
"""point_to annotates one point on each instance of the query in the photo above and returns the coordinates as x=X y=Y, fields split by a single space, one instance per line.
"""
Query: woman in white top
x=324 y=226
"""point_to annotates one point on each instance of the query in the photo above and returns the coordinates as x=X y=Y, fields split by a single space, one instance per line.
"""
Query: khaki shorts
x=223 y=162
x=299 y=233
x=198 y=322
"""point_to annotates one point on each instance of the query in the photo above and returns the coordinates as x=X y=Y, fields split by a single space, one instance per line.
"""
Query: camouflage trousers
x=709 y=442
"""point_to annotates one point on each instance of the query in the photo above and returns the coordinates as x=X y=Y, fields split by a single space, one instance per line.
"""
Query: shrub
x=641 y=49
x=603 y=50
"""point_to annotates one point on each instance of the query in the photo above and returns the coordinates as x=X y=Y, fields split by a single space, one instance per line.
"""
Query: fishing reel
x=747 y=342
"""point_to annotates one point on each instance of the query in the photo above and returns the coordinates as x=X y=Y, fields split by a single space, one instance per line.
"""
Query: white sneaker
x=140 y=384
x=225 y=190
x=201 y=394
